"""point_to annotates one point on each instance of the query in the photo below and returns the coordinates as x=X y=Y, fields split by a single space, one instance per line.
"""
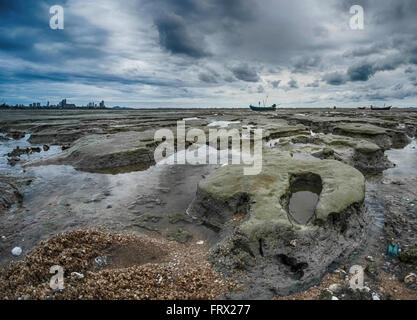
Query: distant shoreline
x=183 y=108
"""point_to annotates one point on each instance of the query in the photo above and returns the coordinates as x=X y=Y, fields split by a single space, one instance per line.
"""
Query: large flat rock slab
x=100 y=153
x=259 y=237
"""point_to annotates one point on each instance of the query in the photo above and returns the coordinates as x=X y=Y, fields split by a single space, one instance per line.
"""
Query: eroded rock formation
x=258 y=235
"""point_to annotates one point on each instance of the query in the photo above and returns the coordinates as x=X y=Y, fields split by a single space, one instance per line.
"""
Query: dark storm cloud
x=208 y=78
x=305 y=64
x=368 y=50
x=293 y=84
x=229 y=79
x=334 y=78
x=174 y=37
x=25 y=33
x=29 y=76
x=409 y=70
x=183 y=25
x=360 y=72
x=365 y=70
x=176 y=43
x=245 y=73
x=198 y=11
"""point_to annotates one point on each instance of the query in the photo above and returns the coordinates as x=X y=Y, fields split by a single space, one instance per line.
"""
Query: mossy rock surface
x=343 y=186
x=148 y=222
x=96 y=153
x=360 y=129
x=180 y=235
x=283 y=130
x=409 y=255
x=361 y=145
x=180 y=217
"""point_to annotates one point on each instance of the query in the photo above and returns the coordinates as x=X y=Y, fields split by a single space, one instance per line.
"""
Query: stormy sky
x=209 y=53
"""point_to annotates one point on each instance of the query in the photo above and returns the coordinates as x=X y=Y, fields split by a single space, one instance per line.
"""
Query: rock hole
x=297 y=268
x=305 y=192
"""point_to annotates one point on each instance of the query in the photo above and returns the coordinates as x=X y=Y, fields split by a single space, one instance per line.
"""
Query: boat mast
x=265 y=101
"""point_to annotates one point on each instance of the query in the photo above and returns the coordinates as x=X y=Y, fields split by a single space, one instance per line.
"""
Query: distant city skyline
x=213 y=53
x=61 y=104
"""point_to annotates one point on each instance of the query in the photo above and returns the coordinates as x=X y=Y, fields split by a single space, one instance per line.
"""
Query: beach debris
x=340 y=273
x=77 y=275
x=17 y=152
x=375 y=296
x=184 y=273
x=409 y=255
x=13 y=161
x=180 y=235
x=101 y=261
x=370 y=259
x=326 y=295
x=17 y=251
x=393 y=250
x=335 y=288
x=411 y=278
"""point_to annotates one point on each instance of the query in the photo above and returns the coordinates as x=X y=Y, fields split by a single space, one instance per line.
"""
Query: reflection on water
x=303 y=205
x=404 y=159
x=8 y=146
x=406 y=165
x=305 y=193
x=61 y=199
x=222 y=124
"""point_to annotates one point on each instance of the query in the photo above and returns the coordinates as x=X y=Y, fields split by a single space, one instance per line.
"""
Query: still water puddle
x=222 y=124
x=305 y=193
x=303 y=205
x=405 y=161
x=8 y=146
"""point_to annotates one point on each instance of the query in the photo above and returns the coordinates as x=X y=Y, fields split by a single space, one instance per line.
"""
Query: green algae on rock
x=109 y=153
x=10 y=194
x=364 y=155
x=180 y=235
x=257 y=233
x=342 y=187
x=274 y=131
x=409 y=255
x=385 y=138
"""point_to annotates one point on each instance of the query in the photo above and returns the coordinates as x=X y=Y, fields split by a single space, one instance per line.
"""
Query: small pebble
x=17 y=251
x=375 y=296
x=77 y=275
x=410 y=278
x=370 y=259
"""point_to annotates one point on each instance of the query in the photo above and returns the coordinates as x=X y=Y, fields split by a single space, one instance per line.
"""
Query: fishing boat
x=383 y=108
x=271 y=108
x=264 y=108
x=361 y=108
